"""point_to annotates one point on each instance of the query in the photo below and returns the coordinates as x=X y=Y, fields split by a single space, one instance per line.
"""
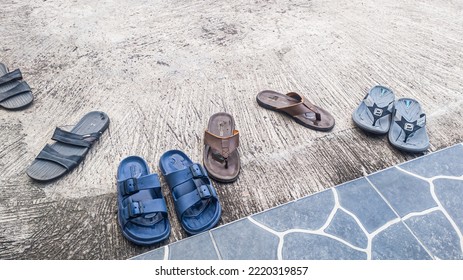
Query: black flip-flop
x=14 y=92
x=70 y=147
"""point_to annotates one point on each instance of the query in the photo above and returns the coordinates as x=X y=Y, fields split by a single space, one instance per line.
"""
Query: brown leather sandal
x=301 y=110
x=221 y=140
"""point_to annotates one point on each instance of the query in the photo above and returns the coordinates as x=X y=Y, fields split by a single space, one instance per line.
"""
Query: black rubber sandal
x=14 y=92
x=69 y=149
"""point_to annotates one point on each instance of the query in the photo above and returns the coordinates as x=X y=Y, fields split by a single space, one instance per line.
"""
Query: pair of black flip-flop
x=403 y=120
x=15 y=93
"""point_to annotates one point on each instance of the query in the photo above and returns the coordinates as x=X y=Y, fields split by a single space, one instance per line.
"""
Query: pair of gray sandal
x=403 y=120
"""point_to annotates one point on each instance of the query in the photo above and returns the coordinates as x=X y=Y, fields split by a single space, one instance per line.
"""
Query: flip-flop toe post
x=142 y=210
x=69 y=149
x=408 y=129
x=14 y=92
x=297 y=107
x=221 y=140
x=375 y=111
x=196 y=202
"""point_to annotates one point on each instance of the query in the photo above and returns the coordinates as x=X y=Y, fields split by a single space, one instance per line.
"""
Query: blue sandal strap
x=194 y=171
x=203 y=191
x=133 y=185
x=22 y=87
x=50 y=154
x=12 y=76
x=67 y=137
x=135 y=209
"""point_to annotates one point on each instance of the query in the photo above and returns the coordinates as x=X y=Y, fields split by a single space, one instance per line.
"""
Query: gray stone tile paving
x=446 y=162
x=437 y=234
x=345 y=227
x=406 y=193
x=245 y=240
x=157 y=254
x=359 y=198
x=410 y=211
x=306 y=213
x=201 y=249
x=396 y=242
x=450 y=194
x=303 y=246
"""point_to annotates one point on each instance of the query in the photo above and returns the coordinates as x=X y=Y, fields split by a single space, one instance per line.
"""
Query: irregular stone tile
x=437 y=235
x=157 y=254
x=243 y=240
x=307 y=213
x=346 y=228
x=444 y=162
x=405 y=193
x=450 y=194
x=365 y=203
x=305 y=246
x=198 y=247
x=397 y=243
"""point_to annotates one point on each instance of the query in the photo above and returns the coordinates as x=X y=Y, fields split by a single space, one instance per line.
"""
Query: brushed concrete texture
x=160 y=69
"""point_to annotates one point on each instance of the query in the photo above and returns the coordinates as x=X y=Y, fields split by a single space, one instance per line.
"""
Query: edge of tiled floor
x=408 y=211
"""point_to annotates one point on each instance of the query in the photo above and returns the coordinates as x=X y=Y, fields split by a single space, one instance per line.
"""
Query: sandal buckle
x=204 y=191
x=197 y=171
x=135 y=209
x=131 y=186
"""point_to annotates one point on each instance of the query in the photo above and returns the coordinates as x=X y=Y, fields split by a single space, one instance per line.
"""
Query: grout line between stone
x=166 y=252
x=215 y=245
x=280 y=235
x=424 y=212
x=397 y=214
x=319 y=231
x=430 y=181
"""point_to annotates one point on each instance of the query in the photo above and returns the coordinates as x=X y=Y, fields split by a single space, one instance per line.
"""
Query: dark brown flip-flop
x=221 y=140
x=294 y=105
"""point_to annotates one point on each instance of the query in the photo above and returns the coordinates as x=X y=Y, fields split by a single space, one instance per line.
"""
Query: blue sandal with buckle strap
x=142 y=210
x=196 y=201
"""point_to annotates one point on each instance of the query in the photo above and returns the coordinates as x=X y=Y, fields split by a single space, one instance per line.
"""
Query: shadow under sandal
x=221 y=158
x=14 y=93
x=142 y=210
x=408 y=130
x=294 y=105
x=196 y=202
x=374 y=112
x=69 y=149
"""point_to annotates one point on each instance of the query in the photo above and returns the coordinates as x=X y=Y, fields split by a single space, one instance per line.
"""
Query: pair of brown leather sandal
x=221 y=140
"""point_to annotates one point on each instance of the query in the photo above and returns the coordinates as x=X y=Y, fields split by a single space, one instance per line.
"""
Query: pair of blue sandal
x=142 y=208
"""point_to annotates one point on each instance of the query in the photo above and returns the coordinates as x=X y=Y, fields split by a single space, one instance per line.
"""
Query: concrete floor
x=161 y=69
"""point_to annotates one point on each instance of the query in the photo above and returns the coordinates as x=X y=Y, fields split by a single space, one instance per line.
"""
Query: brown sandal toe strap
x=300 y=108
x=222 y=145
